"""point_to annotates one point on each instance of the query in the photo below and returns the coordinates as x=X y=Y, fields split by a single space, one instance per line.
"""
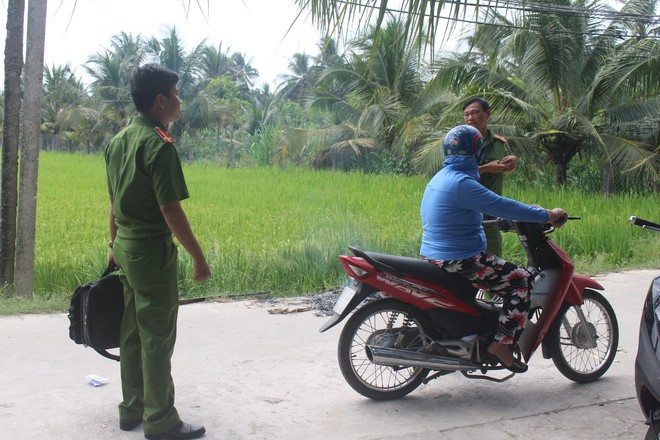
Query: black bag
x=95 y=314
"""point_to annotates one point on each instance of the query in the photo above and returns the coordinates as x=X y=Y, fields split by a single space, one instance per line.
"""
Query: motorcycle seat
x=425 y=270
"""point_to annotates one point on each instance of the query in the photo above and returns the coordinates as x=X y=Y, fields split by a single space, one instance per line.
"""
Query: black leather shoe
x=180 y=431
x=129 y=424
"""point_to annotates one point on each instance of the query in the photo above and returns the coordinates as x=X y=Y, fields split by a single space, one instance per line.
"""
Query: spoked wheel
x=584 y=339
x=386 y=323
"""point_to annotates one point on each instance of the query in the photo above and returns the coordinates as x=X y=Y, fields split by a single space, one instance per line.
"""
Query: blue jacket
x=452 y=208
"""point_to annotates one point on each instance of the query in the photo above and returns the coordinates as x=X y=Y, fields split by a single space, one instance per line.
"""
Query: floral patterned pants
x=513 y=283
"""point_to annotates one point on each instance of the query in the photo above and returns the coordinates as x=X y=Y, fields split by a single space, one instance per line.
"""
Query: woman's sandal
x=516 y=367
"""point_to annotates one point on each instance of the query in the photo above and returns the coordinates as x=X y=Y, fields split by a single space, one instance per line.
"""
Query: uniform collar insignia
x=499 y=137
x=164 y=135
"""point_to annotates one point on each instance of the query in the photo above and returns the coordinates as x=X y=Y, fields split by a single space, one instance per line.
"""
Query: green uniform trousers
x=148 y=330
x=493 y=240
x=493 y=245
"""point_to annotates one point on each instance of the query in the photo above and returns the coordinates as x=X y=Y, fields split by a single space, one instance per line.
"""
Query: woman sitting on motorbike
x=453 y=237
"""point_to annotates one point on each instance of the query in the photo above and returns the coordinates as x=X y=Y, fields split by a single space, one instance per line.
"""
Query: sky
x=255 y=28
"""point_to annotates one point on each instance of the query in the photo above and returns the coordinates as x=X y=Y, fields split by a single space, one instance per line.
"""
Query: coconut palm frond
x=639 y=60
x=525 y=148
x=355 y=145
x=73 y=116
x=510 y=109
x=629 y=156
x=634 y=110
x=429 y=156
x=411 y=132
x=452 y=71
x=432 y=100
x=425 y=23
x=380 y=114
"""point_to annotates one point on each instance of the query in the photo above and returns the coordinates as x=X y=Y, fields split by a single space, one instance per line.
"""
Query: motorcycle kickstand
x=486 y=377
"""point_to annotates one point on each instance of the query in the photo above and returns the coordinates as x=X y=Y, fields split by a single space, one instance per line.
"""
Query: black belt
x=162 y=236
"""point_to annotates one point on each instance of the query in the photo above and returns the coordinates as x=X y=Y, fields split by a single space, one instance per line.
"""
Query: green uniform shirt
x=144 y=172
x=495 y=149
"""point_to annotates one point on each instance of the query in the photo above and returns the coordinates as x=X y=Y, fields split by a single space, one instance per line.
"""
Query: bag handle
x=107 y=354
x=108 y=271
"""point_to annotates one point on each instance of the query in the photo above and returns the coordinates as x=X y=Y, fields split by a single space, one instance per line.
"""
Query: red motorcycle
x=414 y=322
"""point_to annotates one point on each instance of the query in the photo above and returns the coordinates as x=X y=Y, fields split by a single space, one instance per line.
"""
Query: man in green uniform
x=496 y=160
x=146 y=186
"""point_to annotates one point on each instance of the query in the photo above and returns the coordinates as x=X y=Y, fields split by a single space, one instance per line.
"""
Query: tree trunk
x=10 y=139
x=232 y=154
x=562 y=171
x=27 y=198
x=607 y=180
x=218 y=132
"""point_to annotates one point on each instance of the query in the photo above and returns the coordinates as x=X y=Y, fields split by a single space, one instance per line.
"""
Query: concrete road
x=248 y=374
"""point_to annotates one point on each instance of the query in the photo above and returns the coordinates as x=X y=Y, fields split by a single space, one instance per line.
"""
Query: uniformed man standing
x=146 y=186
x=496 y=160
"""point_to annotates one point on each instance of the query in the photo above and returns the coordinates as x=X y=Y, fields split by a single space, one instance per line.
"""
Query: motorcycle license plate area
x=342 y=302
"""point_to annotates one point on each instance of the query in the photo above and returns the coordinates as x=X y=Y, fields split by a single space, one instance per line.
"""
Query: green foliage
x=586 y=174
x=566 y=85
x=560 y=86
x=282 y=230
x=264 y=145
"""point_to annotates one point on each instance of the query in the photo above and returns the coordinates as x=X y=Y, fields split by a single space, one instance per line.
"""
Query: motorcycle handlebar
x=506 y=225
x=645 y=224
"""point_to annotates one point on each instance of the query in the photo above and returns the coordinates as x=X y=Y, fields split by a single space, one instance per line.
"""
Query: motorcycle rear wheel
x=385 y=322
x=572 y=351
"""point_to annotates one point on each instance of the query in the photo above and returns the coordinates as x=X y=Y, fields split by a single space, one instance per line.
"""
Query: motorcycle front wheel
x=386 y=323
x=584 y=349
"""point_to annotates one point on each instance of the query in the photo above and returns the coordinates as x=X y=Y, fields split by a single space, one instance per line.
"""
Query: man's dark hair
x=149 y=81
x=482 y=102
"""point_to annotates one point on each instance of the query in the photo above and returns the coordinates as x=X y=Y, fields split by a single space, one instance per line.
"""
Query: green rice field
x=281 y=230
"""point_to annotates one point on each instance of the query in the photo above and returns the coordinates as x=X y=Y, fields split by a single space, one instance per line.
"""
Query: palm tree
x=328 y=51
x=189 y=66
x=171 y=53
x=244 y=73
x=29 y=171
x=424 y=21
x=566 y=82
x=10 y=139
x=63 y=91
x=297 y=84
x=110 y=70
x=215 y=61
x=261 y=110
x=373 y=96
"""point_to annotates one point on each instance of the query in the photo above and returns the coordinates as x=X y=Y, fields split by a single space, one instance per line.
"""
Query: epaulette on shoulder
x=164 y=135
x=499 y=137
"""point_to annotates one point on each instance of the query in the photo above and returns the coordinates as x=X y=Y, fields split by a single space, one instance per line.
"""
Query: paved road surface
x=248 y=374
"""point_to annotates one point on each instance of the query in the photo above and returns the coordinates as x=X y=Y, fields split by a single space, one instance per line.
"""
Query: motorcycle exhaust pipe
x=396 y=357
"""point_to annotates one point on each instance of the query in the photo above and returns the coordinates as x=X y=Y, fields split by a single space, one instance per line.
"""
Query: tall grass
x=282 y=230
